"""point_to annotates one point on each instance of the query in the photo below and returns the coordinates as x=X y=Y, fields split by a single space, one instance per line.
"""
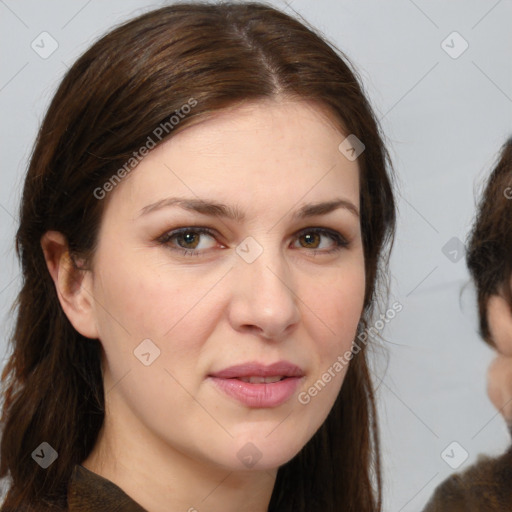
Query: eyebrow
x=215 y=209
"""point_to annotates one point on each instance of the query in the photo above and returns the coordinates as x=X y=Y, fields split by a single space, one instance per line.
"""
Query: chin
x=258 y=452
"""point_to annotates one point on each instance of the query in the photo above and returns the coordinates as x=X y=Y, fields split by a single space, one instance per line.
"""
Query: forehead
x=296 y=127
x=264 y=152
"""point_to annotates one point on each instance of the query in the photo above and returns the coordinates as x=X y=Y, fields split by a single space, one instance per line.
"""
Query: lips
x=257 y=385
x=253 y=369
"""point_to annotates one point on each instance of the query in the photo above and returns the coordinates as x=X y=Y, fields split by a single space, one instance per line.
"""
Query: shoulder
x=485 y=486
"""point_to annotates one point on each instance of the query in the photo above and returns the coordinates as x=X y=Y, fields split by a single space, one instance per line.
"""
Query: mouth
x=254 y=370
x=261 y=380
x=257 y=385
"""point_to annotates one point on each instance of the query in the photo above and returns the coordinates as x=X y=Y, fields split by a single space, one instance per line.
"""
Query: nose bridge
x=265 y=296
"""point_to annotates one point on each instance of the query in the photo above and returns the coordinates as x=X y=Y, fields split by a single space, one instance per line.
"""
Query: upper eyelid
x=204 y=230
x=212 y=231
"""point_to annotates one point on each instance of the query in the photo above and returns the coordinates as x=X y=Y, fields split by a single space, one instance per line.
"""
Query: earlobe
x=499 y=318
x=73 y=285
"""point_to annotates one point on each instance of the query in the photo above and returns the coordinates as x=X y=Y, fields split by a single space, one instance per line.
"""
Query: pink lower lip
x=259 y=395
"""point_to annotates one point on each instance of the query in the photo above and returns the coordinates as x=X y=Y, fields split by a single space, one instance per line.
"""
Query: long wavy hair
x=108 y=104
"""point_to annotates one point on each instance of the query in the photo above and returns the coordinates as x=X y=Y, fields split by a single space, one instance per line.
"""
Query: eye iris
x=311 y=238
x=189 y=238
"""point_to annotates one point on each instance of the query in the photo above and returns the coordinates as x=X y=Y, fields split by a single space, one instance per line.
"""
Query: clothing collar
x=90 y=492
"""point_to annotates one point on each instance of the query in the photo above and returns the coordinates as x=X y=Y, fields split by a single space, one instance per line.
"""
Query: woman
x=184 y=327
x=486 y=486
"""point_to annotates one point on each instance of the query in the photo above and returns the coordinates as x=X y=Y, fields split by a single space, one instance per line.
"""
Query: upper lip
x=255 y=369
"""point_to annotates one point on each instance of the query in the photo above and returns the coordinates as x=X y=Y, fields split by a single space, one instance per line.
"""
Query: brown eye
x=312 y=239
x=187 y=240
x=190 y=239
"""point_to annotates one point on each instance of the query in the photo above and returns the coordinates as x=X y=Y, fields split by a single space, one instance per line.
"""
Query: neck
x=163 y=479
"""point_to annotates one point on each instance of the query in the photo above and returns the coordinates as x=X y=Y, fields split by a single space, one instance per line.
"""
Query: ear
x=499 y=318
x=73 y=285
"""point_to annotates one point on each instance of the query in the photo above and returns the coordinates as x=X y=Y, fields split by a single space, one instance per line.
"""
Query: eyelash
x=340 y=241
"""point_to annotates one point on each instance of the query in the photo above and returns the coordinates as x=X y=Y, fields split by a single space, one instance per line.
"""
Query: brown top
x=90 y=492
x=485 y=486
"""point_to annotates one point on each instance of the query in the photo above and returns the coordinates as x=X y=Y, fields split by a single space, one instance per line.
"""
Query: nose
x=264 y=301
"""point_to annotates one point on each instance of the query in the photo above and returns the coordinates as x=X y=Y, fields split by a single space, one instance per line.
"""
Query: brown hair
x=489 y=248
x=109 y=102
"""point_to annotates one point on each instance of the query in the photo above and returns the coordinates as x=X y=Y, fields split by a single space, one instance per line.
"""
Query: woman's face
x=281 y=281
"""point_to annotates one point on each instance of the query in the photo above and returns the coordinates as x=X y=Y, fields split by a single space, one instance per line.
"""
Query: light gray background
x=444 y=119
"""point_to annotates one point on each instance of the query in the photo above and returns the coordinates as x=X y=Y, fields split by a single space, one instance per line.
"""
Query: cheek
x=145 y=299
x=499 y=385
x=140 y=303
x=338 y=305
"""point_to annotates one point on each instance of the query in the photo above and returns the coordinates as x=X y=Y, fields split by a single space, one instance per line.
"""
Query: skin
x=499 y=374
x=170 y=437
